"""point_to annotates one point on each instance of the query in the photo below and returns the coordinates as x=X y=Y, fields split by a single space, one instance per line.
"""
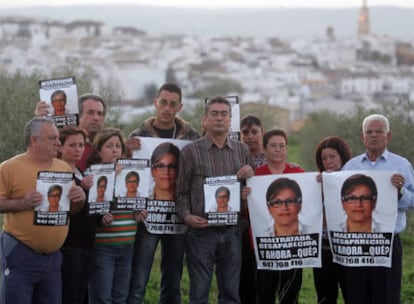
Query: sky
x=218 y=3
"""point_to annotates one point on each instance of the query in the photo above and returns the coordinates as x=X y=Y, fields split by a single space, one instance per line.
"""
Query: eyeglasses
x=162 y=166
x=54 y=195
x=288 y=202
x=221 y=113
x=132 y=181
x=364 y=199
x=165 y=103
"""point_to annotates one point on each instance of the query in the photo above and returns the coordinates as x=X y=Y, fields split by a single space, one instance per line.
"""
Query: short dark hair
x=222 y=189
x=283 y=183
x=132 y=174
x=357 y=180
x=216 y=99
x=250 y=120
x=54 y=188
x=95 y=97
x=170 y=87
x=274 y=132
x=336 y=143
x=102 y=178
x=56 y=93
x=165 y=148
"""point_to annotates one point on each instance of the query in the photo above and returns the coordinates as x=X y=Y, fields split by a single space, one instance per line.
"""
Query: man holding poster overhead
x=381 y=284
x=219 y=247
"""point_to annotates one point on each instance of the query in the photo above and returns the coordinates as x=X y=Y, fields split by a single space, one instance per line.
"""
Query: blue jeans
x=111 y=273
x=27 y=276
x=172 y=254
x=214 y=248
x=76 y=268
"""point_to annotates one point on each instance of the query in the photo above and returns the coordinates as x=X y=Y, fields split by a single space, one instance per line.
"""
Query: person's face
x=53 y=199
x=58 y=104
x=48 y=142
x=222 y=200
x=276 y=149
x=375 y=137
x=111 y=150
x=285 y=207
x=101 y=188
x=218 y=119
x=164 y=172
x=331 y=160
x=131 y=184
x=73 y=148
x=168 y=105
x=359 y=204
x=92 y=118
x=252 y=137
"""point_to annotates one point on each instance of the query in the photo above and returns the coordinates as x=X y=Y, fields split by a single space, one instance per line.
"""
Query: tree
x=19 y=94
x=349 y=127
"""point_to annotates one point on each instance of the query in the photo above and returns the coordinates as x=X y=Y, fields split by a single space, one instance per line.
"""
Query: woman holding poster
x=114 y=239
x=286 y=283
x=331 y=154
x=77 y=250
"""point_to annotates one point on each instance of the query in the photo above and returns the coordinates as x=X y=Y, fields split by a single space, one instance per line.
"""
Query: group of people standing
x=108 y=258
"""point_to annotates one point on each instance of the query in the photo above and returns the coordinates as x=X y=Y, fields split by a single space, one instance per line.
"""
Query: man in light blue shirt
x=380 y=284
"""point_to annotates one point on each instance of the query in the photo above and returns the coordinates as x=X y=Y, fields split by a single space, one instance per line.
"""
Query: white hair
x=377 y=117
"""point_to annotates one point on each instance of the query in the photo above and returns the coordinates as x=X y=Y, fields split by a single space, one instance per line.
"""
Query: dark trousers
x=247 y=289
x=76 y=269
x=328 y=277
x=285 y=283
x=369 y=285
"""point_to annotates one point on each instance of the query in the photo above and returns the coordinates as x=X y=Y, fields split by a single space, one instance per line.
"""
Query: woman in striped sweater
x=114 y=239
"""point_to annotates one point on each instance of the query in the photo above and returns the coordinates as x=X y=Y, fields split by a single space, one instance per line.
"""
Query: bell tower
x=363 y=19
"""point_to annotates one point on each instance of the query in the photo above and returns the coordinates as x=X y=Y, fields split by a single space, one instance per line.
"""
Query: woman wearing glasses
x=359 y=197
x=284 y=201
x=285 y=283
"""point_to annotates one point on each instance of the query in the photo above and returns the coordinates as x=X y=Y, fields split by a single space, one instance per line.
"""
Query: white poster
x=55 y=206
x=163 y=155
x=286 y=218
x=361 y=211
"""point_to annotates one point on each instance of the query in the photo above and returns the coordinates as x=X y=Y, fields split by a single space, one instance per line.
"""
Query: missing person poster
x=361 y=212
x=102 y=191
x=54 y=186
x=163 y=155
x=222 y=200
x=132 y=184
x=286 y=219
x=62 y=96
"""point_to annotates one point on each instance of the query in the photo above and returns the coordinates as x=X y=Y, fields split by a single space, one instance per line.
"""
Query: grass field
x=307 y=294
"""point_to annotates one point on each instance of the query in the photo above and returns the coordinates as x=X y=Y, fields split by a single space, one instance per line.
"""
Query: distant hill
x=392 y=21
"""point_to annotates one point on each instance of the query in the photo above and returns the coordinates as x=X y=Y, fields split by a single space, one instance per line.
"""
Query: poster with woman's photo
x=132 y=184
x=361 y=212
x=102 y=191
x=222 y=200
x=163 y=155
x=286 y=219
x=54 y=209
x=62 y=96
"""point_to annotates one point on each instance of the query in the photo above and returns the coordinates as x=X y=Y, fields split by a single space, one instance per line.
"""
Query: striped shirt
x=201 y=159
x=121 y=231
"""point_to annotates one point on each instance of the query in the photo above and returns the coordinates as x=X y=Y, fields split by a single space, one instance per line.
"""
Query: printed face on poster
x=360 y=201
x=163 y=154
x=286 y=218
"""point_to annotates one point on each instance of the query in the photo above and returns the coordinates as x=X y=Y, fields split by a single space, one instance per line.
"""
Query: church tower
x=363 y=20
